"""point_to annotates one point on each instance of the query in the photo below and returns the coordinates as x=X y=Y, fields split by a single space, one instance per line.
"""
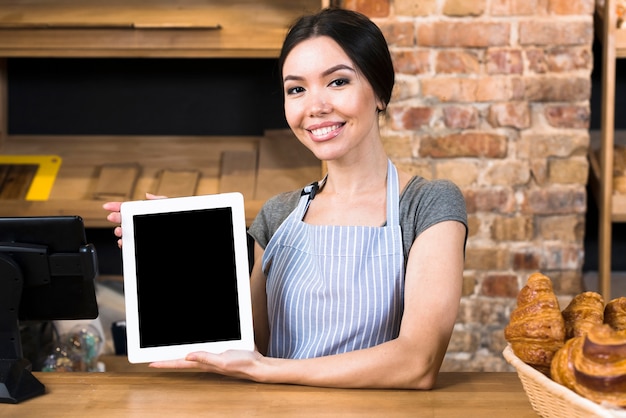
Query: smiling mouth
x=325 y=130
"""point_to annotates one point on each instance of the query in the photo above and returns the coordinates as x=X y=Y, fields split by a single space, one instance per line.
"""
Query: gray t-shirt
x=423 y=203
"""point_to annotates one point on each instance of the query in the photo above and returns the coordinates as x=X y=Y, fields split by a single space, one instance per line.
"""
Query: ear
x=380 y=106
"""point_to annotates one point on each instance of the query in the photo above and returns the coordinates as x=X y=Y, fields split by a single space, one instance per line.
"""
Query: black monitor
x=47 y=272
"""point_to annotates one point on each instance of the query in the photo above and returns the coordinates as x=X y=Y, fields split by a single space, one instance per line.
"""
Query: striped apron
x=334 y=289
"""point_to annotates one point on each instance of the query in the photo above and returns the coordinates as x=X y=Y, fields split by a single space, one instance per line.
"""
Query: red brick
x=511 y=114
x=515 y=228
x=566 y=228
x=571 y=7
x=409 y=118
x=557 y=89
x=469 y=284
x=537 y=61
x=563 y=256
x=467 y=34
x=411 y=62
x=571 y=170
x=473 y=224
x=518 y=7
x=554 y=32
x=461 y=62
x=557 y=144
x=415 y=8
x=464 y=7
x=492 y=199
x=527 y=259
x=509 y=172
x=566 y=59
x=460 y=117
x=500 y=285
x=555 y=200
x=567 y=282
x=568 y=116
x=504 y=61
x=485 y=89
x=486 y=258
x=398 y=33
x=469 y=144
x=371 y=8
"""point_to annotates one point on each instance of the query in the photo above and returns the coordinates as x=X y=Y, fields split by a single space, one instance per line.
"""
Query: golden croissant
x=536 y=329
x=615 y=313
x=585 y=311
x=599 y=365
x=562 y=367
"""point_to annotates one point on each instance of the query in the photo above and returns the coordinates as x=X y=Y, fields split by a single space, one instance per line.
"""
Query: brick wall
x=494 y=95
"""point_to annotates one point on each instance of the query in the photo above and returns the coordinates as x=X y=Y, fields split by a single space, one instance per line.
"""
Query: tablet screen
x=194 y=250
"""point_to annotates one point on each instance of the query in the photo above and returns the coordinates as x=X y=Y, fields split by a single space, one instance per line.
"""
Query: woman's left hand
x=234 y=363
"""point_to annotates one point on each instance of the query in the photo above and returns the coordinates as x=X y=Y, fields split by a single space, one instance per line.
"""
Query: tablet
x=186 y=276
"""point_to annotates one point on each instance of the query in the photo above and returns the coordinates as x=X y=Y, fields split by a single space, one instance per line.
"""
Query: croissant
x=615 y=313
x=536 y=329
x=562 y=366
x=585 y=311
x=599 y=365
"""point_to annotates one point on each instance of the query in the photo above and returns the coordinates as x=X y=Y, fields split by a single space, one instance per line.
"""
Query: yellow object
x=47 y=169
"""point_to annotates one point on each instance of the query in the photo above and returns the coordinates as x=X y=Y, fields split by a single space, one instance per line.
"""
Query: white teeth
x=324 y=131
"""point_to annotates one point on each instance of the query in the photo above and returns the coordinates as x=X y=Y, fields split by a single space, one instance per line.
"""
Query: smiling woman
x=357 y=277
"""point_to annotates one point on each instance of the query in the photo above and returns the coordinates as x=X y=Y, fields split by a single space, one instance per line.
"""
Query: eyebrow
x=325 y=73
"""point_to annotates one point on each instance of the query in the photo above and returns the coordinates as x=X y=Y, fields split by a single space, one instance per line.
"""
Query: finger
x=112 y=206
x=203 y=357
x=114 y=217
x=151 y=196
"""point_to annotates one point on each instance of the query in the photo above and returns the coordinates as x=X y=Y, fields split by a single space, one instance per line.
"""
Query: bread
x=599 y=366
x=584 y=312
x=562 y=366
x=536 y=329
x=615 y=313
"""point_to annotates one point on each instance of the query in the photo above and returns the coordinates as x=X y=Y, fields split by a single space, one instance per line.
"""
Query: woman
x=357 y=278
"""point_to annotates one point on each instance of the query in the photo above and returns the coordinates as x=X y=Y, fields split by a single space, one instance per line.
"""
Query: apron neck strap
x=393 y=195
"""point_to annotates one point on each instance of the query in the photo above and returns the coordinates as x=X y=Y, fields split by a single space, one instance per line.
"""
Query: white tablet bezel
x=138 y=354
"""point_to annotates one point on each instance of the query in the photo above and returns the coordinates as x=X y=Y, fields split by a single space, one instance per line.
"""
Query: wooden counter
x=182 y=394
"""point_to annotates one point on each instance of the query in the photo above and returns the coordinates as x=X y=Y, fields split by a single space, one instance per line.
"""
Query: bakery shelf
x=277 y=155
x=83 y=156
x=139 y=28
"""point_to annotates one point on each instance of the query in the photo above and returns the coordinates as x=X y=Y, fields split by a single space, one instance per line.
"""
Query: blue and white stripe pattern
x=333 y=289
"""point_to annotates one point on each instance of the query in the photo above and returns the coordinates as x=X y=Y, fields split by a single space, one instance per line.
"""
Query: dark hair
x=357 y=35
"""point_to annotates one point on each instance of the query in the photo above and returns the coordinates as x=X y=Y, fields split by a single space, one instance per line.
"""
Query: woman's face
x=329 y=104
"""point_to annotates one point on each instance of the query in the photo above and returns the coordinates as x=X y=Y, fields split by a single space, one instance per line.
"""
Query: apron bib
x=334 y=289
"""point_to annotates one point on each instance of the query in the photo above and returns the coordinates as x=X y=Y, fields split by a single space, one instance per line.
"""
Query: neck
x=345 y=179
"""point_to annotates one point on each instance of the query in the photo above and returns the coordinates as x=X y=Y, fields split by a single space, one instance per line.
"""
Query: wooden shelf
x=611 y=207
x=141 y=28
x=277 y=154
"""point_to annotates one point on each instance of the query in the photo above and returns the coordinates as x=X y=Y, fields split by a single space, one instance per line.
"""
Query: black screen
x=186 y=277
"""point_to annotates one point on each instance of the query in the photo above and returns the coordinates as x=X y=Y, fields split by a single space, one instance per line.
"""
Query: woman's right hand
x=115 y=216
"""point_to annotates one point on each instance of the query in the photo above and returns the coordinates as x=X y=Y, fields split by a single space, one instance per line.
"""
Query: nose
x=319 y=106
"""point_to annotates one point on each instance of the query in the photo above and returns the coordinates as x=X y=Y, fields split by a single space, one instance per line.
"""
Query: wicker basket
x=550 y=399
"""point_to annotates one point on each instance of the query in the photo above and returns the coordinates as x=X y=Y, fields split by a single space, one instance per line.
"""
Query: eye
x=294 y=90
x=339 y=82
